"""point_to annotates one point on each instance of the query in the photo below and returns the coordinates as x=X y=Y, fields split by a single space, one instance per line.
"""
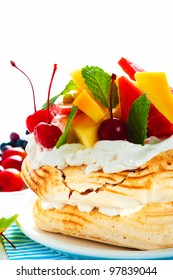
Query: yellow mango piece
x=76 y=76
x=157 y=89
x=86 y=130
x=89 y=106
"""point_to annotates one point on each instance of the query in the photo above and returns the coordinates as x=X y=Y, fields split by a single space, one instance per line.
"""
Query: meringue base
x=148 y=229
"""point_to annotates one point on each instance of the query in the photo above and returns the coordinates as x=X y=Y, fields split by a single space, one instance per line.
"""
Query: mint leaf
x=70 y=86
x=4 y=224
x=63 y=137
x=99 y=83
x=137 y=120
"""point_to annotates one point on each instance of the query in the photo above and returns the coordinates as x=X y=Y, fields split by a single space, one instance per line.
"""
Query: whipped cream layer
x=109 y=156
x=109 y=211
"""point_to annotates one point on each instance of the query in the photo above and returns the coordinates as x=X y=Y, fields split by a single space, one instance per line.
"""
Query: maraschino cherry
x=47 y=134
x=112 y=128
x=37 y=116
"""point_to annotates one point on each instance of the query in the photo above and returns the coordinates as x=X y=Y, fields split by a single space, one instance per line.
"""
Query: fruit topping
x=158 y=91
x=128 y=93
x=98 y=106
x=112 y=128
x=129 y=67
x=61 y=109
x=92 y=110
x=36 y=118
x=47 y=134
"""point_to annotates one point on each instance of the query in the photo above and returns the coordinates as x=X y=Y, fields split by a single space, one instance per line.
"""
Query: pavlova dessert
x=100 y=158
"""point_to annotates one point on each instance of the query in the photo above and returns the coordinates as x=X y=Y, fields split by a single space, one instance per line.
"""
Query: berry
x=14 y=137
x=21 y=143
x=5 y=146
x=14 y=151
x=113 y=129
x=14 y=161
x=47 y=135
x=11 y=180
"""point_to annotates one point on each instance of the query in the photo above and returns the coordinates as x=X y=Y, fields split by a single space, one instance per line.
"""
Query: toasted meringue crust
x=150 y=228
x=151 y=183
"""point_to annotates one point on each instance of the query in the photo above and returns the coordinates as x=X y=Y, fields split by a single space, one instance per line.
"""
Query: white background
x=38 y=33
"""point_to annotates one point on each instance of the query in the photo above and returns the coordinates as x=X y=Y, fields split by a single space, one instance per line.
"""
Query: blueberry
x=4 y=146
x=21 y=143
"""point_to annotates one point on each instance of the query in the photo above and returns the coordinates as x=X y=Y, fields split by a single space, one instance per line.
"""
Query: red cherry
x=14 y=151
x=11 y=180
x=47 y=135
x=36 y=118
x=13 y=162
x=113 y=129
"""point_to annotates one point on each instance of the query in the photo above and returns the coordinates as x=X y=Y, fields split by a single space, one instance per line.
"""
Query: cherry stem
x=8 y=240
x=14 y=65
x=113 y=78
x=48 y=98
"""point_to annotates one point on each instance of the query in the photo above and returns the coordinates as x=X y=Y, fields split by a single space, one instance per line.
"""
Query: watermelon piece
x=128 y=93
x=129 y=67
x=158 y=124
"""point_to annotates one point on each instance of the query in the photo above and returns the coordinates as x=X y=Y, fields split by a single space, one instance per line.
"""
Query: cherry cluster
x=12 y=154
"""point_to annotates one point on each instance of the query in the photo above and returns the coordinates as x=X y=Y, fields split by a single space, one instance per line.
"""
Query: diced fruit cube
x=86 y=130
x=156 y=86
x=79 y=80
x=89 y=106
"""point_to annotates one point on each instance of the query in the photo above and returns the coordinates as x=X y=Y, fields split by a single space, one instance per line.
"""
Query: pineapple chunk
x=85 y=129
x=89 y=106
x=156 y=86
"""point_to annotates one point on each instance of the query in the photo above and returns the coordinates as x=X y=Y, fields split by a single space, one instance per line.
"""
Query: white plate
x=80 y=247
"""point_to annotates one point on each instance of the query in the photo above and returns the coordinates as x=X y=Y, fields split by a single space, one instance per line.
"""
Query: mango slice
x=156 y=86
x=76 y=76
x=86 y=130
x=89 y=106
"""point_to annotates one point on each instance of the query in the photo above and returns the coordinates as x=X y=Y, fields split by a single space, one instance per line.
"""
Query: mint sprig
x=70 y=86
x=138 y=119
x=4 y=224
x=63 y=137
x=99 y=83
